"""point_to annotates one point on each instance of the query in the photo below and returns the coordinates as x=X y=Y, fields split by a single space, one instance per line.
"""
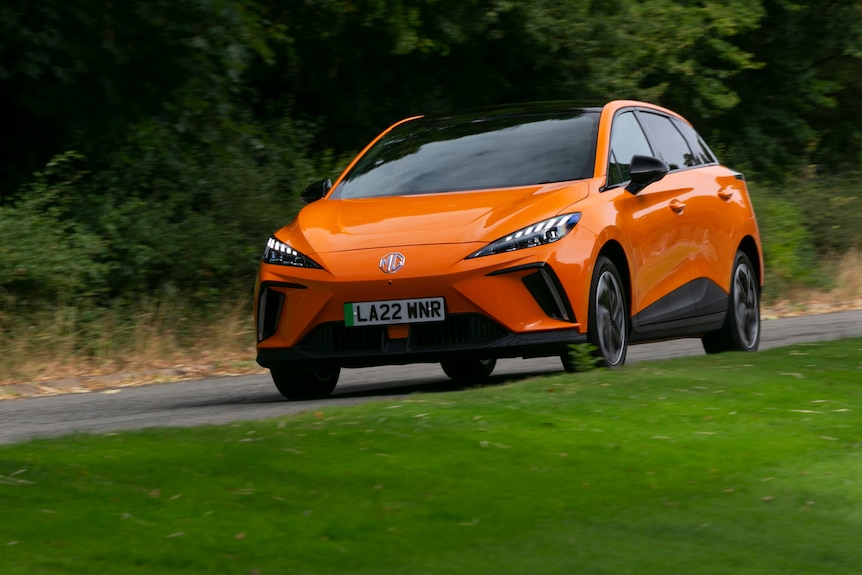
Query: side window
x=701 y=151
x=672 y=147
x=627 y=140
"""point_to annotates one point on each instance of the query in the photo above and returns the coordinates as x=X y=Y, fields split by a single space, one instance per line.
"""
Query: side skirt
x=689 y=311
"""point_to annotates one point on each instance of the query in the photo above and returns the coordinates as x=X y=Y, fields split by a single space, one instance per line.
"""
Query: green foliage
x=75 y=75
x=196 y=122
x=805 y=224
x=788 y=245
x=582 y=357
x=803 y=105
x=43 y=253
x=168 y=213
x=184 y=214
x=831 y=209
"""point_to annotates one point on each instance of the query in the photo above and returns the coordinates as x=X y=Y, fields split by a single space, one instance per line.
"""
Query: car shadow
x=430 y=385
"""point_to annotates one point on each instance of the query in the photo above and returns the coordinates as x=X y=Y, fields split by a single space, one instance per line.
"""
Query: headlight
x=544 y=232
x=279 y=253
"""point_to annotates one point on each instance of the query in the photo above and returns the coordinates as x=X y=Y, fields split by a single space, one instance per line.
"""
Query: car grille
x=455 y=330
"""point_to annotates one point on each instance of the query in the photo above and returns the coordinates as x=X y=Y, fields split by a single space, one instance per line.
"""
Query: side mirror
x=316 y=191
x=645 y=170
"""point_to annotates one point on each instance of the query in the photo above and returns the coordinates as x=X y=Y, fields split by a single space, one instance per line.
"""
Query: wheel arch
x=749 y=247
x=614 y=251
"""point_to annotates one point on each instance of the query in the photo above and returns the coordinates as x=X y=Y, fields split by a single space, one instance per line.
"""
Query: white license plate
x=394 y=311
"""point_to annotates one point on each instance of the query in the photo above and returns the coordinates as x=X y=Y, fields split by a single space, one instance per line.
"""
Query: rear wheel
x=608 y=327
x=464 y=369
x=305 y=383
x=741 y=330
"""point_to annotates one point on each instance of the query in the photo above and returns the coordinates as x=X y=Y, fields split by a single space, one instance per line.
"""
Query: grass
x=732 y=464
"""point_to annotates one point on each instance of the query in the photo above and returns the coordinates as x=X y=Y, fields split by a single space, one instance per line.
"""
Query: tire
x=608 y=325
x=468 y=369
x=305 y=383
x=741 y=329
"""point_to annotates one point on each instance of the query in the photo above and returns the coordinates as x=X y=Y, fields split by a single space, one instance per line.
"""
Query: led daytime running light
x=279 y=253
x=541 y=233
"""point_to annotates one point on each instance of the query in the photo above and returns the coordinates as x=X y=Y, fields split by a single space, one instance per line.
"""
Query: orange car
x=511 y=232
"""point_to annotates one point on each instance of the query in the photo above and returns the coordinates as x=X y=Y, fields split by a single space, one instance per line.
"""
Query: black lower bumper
x=467 y=336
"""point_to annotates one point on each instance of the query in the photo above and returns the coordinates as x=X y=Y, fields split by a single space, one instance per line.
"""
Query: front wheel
x=608 y=326
x=468 y=369
x=741 y=329
x=305 y=383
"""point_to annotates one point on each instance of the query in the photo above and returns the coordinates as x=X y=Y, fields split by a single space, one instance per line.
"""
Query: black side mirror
x=316 y=191
x=645 y=170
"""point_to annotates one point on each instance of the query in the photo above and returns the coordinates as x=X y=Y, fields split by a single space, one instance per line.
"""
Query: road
x=226 y=399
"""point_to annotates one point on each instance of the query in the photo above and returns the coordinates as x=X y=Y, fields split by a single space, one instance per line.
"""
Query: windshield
x=475 y=153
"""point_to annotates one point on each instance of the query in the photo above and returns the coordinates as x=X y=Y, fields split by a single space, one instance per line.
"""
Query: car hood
x=446 y=218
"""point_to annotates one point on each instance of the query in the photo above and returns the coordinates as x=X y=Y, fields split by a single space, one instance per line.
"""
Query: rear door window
x=701 y=151
x=672 y=147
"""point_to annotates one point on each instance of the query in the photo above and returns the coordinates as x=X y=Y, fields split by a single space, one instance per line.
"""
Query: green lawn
x=736 y=464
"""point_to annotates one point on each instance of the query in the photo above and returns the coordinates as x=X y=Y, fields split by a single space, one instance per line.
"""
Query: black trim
x=462 y=335
x=709 y=297
x=269 y=306
x=678 y=304
x=282 y=285
x=696 y=308
x=546 y=289
x=270 y=303
x=690 y=327
x=516 y=269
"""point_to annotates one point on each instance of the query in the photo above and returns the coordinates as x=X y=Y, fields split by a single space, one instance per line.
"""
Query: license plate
x=394 y=311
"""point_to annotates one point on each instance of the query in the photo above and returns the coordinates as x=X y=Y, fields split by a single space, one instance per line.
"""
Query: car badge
x=392 y=262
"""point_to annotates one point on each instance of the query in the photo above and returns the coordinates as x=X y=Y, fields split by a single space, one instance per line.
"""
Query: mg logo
x=392 y=262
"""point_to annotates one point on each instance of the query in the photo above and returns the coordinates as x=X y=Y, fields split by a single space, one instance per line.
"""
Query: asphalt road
x=226 y=399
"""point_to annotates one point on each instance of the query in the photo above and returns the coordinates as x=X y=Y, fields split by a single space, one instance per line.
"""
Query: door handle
x=725 y=194
x=677 y=206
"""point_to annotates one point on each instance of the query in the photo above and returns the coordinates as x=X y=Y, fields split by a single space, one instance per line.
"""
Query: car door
x=657 y=230
x=720 y=208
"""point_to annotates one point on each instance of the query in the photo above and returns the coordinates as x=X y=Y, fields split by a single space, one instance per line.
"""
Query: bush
x=831 y=207
x=806 y=224
x=788 y=248
x=45 y=256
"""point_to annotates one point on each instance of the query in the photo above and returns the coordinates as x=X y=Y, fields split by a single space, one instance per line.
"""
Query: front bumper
x=461 y=335
x=511 y=305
